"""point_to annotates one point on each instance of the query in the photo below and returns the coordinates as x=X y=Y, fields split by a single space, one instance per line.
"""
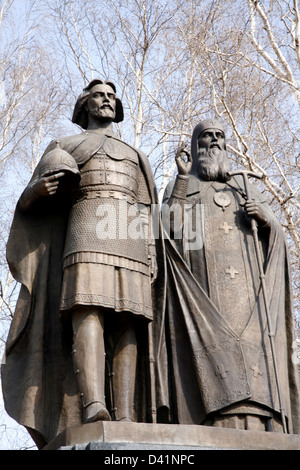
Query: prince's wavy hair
x=80 y=114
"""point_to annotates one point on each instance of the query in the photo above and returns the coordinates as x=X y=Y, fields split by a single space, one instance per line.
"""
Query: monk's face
x=101 y=103
x=212 y=139
x=211 y=162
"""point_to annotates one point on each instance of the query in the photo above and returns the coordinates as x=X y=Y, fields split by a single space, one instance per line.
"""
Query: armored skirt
x=106 y=251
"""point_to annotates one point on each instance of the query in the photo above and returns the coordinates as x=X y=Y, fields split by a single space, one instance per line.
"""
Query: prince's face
x=101 y=103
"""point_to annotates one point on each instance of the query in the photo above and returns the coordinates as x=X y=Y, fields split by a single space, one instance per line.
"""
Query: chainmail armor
x=100 y=219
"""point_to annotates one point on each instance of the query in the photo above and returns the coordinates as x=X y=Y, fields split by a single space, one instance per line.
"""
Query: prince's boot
x=124 y=377
x=89 y=363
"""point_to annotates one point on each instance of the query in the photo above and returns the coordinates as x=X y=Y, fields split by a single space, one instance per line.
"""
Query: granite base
x=106 y=435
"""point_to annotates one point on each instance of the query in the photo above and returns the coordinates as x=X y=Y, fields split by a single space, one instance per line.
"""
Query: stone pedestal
x=109 y=436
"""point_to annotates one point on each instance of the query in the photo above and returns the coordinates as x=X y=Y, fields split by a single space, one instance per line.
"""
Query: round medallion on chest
x=222 y=199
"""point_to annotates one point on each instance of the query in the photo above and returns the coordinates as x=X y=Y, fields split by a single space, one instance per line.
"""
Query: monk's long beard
x=213 y=165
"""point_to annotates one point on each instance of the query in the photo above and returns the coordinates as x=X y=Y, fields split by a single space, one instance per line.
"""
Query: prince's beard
x=213 y=165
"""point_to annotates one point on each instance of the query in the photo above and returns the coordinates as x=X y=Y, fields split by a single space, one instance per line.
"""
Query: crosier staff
x=246 y=174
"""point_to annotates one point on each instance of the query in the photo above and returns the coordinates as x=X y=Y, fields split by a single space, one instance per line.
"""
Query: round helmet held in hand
x=56 y=161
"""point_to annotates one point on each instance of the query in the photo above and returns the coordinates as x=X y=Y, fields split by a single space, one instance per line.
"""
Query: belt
x=107 y=194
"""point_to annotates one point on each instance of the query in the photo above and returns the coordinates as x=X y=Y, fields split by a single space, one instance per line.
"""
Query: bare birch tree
x=31 y=99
